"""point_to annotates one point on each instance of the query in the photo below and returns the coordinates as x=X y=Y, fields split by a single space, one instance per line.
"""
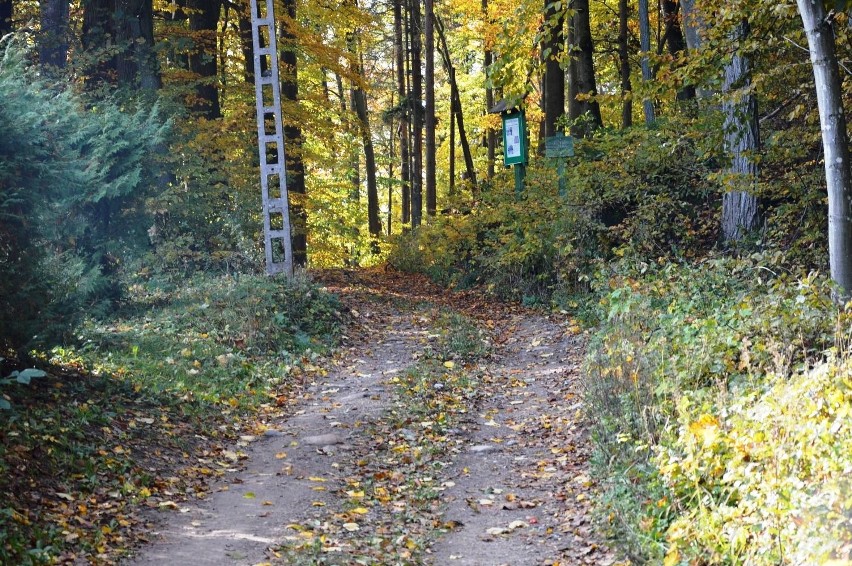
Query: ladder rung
x=269 y=109
x=278 y=234
x=274 y=169
x=260 y=22
x=266 y=79
x=272 y=138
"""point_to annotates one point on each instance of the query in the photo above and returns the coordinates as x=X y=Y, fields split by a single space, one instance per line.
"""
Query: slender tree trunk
x=675 y=41
x=835 y=143
x=586 y=85
x=5 y=17
x=491 y=135
x=645 y=46
x=204 y=23
x=574 y=107
x=355 y=157
x=53 y=39
x=554 y=76
x=294 y=160
x=740 y=212
x=452 y=162
x=402 y=92
x=456 y=108
x=416 y=99
x=624 y=66
x=136 y=63
x=429 y=51
x=373 y=221
x=246 y=45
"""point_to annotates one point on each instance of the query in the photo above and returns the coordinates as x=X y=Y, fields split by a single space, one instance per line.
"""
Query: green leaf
x=27 y=375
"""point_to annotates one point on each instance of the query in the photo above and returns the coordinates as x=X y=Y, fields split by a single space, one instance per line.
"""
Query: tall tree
x=491 y=135
x=417 y=114
x=624 y=65
x=456 y=108
x=693 y=23
x=587 y=89
x=675 y=41
x=5 y=17
x=53 y=38
x=98 y=34
x=553 y=46
x=360 y=102
x=740 y=213
x=204 y=24
x=294 y=161
x=246 y=44
x=429 y=52
x=645 y=46
x=136 y=62
x=402 y=92
x=832 y=117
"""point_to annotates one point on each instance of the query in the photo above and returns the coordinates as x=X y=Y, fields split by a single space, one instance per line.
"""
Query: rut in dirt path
x=248 y=513
x=357 y=476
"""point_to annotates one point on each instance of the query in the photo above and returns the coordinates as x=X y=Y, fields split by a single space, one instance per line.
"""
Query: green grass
x=177 y=371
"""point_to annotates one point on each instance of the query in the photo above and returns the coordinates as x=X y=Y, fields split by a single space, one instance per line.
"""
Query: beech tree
x=553 y=46
x=835 y=143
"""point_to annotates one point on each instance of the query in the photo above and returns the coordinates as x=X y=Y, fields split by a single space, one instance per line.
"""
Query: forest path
x=355 y=475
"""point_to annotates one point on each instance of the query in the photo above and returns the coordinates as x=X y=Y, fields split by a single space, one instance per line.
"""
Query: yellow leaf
x=355 y=494
x=351 y=527
x=672 y=557
x=449 y=364
x=249 y=495
x=281 y=455
x=361 y=510
x=314 y=478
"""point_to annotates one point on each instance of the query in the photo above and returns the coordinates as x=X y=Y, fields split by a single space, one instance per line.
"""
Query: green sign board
x=559 y=146
x=514 y=138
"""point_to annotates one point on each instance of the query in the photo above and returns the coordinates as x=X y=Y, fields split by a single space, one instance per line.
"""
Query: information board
x=514 y=139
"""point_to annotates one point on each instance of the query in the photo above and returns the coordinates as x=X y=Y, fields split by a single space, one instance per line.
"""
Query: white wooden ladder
x=270 y=137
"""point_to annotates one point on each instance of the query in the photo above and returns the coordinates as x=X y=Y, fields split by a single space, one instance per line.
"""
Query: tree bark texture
x=246 y=45
x=97 y=34
x=645 y=46
x=136 y=63
x=554 y=76
x=53 y=39
x=204 y=23
x=693 y=23
x=417 y=114
x=835 y=143
x=402 y=91
x=587 y=88
x=624 y=65
x=740 y=212
x=294 y=163
x=373 y=221
x=574 y=108
x=429 y=52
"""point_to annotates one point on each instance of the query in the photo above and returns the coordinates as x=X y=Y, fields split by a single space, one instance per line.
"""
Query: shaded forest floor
x=446 y=429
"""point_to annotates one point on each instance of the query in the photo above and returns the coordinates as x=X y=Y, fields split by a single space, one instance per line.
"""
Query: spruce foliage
x=72 y=179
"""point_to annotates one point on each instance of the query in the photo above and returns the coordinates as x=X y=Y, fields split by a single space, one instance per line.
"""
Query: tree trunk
x=246 y=45
x=832 y=117
x=693 y=23
x=491 y=135
x=53 y=39
x=742 y=140
x=675 y=41
x=554 y=76
x=294 y=163
x=417 y=116
x=456 y=108
x=624 y=66
x=5 y=17
x=136 y=63
x=402 y=91
x=373 y=221
x=586 y=86
x=574 y=107
x=98 y=34
x=204 y=23
x=645 y=46
x=451 y=190
x=429 y=51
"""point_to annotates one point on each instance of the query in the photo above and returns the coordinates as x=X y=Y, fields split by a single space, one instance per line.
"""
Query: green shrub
x=683 y=354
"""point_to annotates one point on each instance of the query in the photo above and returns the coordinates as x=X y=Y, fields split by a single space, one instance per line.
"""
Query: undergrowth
x=138 y=411
x=719 y=420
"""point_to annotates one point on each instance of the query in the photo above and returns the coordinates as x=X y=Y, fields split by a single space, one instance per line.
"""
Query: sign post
x=559 y=147
x=515 y=152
